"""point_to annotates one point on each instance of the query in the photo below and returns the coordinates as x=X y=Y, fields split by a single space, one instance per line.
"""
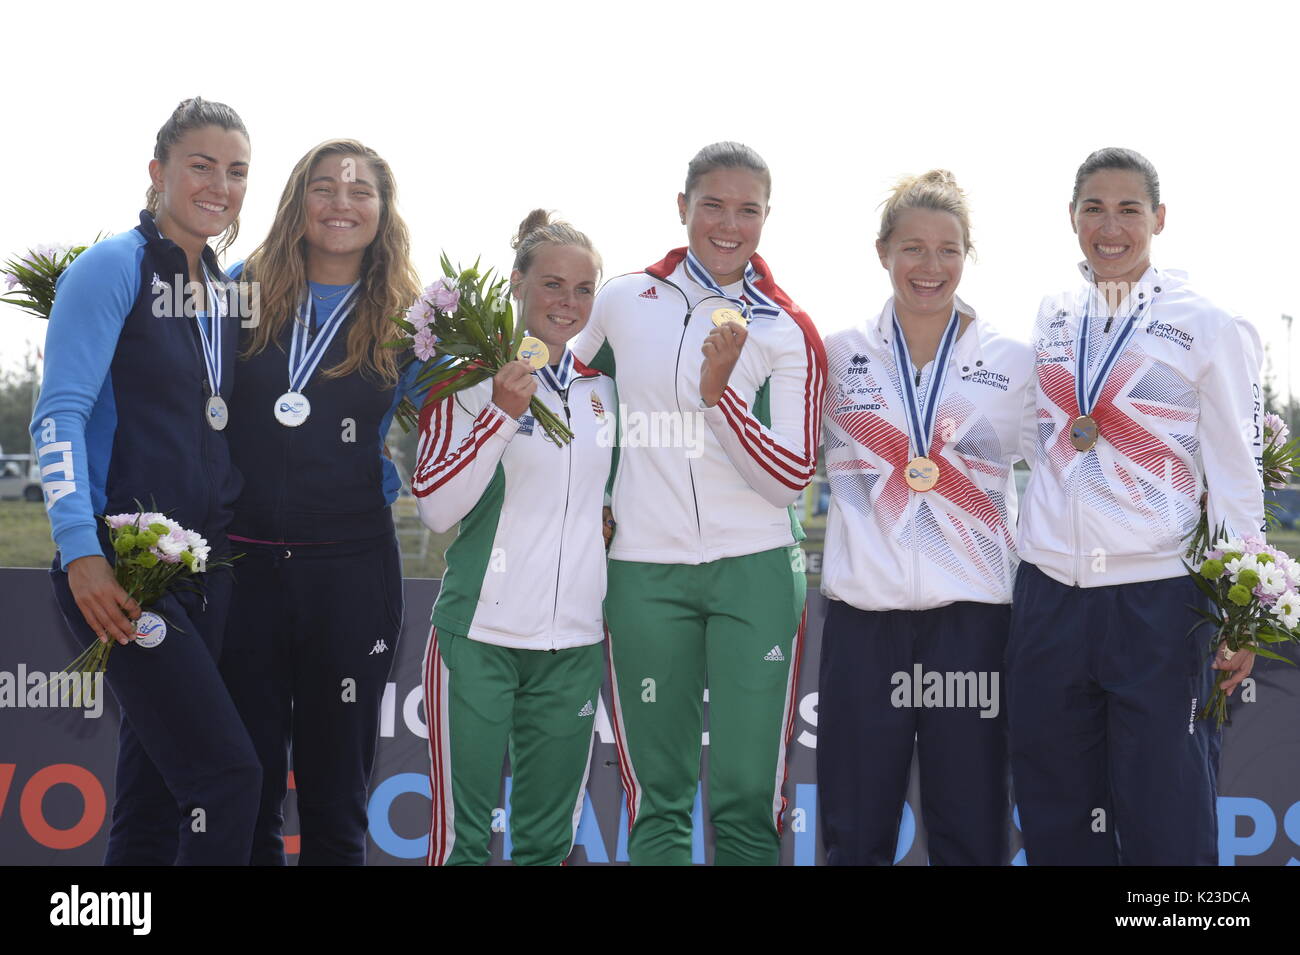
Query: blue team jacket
x=121 y=416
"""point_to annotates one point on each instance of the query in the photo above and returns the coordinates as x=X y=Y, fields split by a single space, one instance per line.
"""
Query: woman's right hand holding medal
x=721 y=351
x=513 y=387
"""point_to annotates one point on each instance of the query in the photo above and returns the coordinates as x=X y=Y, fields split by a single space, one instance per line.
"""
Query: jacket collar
x=967 y=354
x=149 y=229
x=1139 y=297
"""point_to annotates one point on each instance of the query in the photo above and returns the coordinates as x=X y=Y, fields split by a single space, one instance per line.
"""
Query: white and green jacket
x=696 y=484
x=527 y=569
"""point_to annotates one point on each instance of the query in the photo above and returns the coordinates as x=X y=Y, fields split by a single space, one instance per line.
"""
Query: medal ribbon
x=304 y=357
x=755 y=304
x=557 y=380
x=211 y=344
x=1086 y=393
x=921 y=420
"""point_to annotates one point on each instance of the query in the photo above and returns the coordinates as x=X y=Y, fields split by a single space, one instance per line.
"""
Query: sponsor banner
x=56 y=765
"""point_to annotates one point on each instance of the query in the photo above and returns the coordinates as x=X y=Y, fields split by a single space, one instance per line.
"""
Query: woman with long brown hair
x=318 y=605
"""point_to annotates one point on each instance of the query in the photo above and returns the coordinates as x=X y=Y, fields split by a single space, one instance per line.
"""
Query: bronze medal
x=922 y=474
x=1083 y=433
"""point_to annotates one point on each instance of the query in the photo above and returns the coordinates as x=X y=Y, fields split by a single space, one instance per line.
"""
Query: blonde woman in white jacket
x=514 y=655
x=924 y=416
x=1147 y=402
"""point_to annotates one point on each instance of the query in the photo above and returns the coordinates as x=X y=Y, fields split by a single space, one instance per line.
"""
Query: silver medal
x=292 y=409
x=218 y=414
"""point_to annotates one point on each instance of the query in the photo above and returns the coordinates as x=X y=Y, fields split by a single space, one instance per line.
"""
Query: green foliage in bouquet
x=35 y=273
x=464 y=327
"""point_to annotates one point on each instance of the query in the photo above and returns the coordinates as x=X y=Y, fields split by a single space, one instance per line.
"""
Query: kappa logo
x=379 y=647
x=597 y=407
x=159 y=285
x=649 y=293
x=587 y=709
x=774 y=655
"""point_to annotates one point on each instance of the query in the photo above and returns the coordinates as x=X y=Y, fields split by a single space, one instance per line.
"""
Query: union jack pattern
x=1145 y=469
x=959 y=527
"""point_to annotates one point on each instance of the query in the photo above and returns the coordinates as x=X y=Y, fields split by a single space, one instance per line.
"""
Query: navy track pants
x=187 y=778
x=1110 y=765
x=869 y=718
x=312 y=634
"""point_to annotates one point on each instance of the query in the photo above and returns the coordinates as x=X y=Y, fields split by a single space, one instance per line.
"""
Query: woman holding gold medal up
x=514 y=658
x=925 y=414
x=1147 y=393
x=706 y=583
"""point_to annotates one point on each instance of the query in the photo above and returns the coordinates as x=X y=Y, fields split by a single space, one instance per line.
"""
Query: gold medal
x=1083 y=433
x=723 y=316
x=922 y=474
x=534 y=351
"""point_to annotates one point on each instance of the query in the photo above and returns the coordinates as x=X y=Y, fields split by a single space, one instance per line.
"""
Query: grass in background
x=25 y=539
x=24 y=535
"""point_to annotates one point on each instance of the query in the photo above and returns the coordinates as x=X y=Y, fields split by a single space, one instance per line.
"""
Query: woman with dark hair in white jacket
x=1148 y=402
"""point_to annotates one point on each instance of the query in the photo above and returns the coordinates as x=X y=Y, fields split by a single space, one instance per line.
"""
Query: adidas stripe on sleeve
x=457 y=454
x=778 y=460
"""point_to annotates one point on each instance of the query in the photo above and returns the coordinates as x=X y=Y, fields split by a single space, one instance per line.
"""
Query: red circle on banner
x=92 y=814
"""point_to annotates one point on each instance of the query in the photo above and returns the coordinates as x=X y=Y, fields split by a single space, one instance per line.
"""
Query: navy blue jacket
x=326 y=479
x=121 y=415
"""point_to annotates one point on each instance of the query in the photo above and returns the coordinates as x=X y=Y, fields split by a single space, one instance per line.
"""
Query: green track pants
x=733 y=626
x=478 y=698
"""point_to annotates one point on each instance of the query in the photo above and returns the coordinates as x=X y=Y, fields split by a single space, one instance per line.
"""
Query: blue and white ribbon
x=212 y=342
x=1087 y=392
x=559 y=377
x=754 y=304
x=920 y=419
x=305 y=356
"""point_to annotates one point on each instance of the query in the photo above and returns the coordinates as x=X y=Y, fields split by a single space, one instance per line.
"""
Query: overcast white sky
x=594 y=109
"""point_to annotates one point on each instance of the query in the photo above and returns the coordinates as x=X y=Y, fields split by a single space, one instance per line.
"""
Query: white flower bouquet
x=154 y=555
x=1254 y=593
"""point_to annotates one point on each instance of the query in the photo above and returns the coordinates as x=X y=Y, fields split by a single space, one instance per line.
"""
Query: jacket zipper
x=677 y=397
x=568 y=492
x=916 y=558
x=1074 y=523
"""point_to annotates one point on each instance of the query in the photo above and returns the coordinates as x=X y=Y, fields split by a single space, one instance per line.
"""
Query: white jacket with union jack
x=1181 y=409
x=887 y=546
